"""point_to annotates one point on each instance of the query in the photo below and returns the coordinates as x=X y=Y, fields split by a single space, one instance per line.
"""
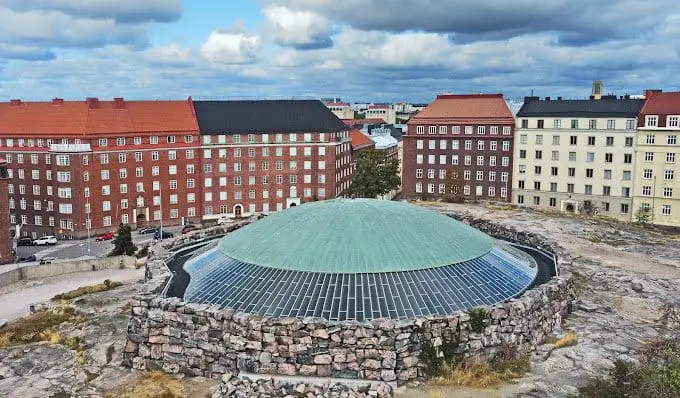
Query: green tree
x=454 y=186
x=375 y=174
x=643 y=215
x=123 y=242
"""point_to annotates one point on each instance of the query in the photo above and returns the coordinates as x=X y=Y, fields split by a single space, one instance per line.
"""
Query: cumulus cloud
x=301 y=29
x=124 y=11
x=225 y=47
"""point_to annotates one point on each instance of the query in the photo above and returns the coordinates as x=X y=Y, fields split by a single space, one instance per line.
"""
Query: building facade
x=342 y=110
x=384 y=112
x=471 y=135
x=576 y=156
x=79 y=167
x=657 y=174
x=6 y=244
x=265 y=156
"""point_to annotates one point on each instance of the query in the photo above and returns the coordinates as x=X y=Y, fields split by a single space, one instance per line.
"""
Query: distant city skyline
x=369 y=50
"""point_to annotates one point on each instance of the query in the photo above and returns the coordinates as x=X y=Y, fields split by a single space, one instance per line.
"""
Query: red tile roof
x=95 y=117
x=331 y=103
x=360 y=140
x=662 y=103
x=354 y=122
x=378 y=107
x=466 y=108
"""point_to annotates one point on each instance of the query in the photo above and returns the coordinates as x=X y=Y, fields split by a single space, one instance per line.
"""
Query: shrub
x=38 y=326
x=477 y=319
x=143 y=252
x=83 y=290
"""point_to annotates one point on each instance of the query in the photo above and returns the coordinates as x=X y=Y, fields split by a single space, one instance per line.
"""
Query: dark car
x=189 y=228
x=27 y=259
x=25 y=241
x=166 y=235
x=148 y=230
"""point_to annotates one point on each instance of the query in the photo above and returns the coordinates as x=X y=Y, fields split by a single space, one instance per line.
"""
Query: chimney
x=530 y=99
x=119 y=103
x=15 y=102
x=650 y=92
x=57 y=101
x=93 y=102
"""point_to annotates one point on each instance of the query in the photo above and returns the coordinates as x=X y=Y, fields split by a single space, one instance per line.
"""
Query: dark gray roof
x=628 y=108
x=265 y=116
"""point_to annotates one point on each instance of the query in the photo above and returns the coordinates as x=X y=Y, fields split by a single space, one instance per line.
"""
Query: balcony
x=70 y=148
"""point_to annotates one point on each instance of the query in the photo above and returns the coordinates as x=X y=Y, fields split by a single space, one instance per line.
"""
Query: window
x=420 y=130
x=171 y=139
x=520 y=199
x=525 y=123
x=538 y=170
x=523 y=138
x=670 y=158
x=646 y=191
x=667 y=192
x=154 y=155
x=480 y=176
x=606 y=190
x=468 y=145
x=650 y=139
x=468 y=129
x=492 y=161
x=468 y=160
x=590 y=157
x=442 y=174
x=608 y=157
x=467 y=174
x=574 y=123
x=647 y=174
x=522 y=154
x=419 y=173
x=481 y=130
x=480 y=145
x=557 y=123
x=493 y=145
x=507 y=130
x=103 y=142
x=649 y=156
x=592 y=124
x=431 y=144
x=554 y=171
x=419 y=185
x=588 y=189
x=570 y=188
x=505 y=161
x=64 y=160
x=537 y=185
x=672 y=121
x=104 y=174
x=537 y=200
x=419 y=144
x=454 y=159
x=589 y=173
x=539 y=154
x=591 y=140
x=442 y=144
x=651 y=121
x=540 y=123
x=443 y=130
x=432 y=130
x=628 y=158
x=122 y=173
x=672 y=140
x=668 y=175
x=555 y=155
x=666 y=210
x=455 y=129
x=493 y=130
x=553 y=187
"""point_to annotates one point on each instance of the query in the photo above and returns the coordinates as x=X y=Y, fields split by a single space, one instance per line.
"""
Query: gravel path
x=17 y=297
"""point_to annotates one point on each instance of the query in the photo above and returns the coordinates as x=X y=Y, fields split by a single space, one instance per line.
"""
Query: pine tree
x=123 y=242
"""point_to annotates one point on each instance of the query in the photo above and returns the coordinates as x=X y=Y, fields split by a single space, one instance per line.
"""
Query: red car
x=106 y=236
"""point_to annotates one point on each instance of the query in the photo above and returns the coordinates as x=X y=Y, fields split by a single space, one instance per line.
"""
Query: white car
x=224 y=220
x=45 y=240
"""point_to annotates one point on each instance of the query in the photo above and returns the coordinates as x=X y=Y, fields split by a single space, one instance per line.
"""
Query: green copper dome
x=353 y=236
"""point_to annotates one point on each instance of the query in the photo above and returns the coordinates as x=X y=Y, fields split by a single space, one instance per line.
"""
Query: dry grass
x=38 y=326
x=507 y=365
x=83 y=290
x=569 y=340
x=153 y=385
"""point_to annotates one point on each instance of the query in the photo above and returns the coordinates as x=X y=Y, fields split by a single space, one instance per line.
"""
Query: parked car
x=148 y=230
x=189 y=228
x=45 y=240
x=223 y=220
x=25 y=241
x=106 y=236
x=166 y=235
x=27 y=259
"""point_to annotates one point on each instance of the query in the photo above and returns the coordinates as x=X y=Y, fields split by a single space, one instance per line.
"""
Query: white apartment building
x=576 y=155
x=341 y=109
x=385 y=112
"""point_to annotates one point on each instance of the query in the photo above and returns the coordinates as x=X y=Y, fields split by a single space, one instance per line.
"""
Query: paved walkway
x=17 y=297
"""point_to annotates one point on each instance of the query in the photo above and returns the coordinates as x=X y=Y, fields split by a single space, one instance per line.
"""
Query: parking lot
x=66 y=249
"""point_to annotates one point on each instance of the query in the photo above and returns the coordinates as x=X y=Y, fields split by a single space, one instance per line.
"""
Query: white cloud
x=330 y=64
x=297 y=28
x=231 y=48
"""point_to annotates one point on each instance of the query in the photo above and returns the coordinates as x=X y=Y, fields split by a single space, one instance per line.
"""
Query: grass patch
x=84 y=290
x=569 y=340
x=153 y=385
x=507 y=365
x=38 y=326
x=657 y=374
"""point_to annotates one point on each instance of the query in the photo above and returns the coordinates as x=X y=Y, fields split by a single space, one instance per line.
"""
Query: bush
x=123 y=242
x=477 y=319
x=657 y=375
x=143 y=252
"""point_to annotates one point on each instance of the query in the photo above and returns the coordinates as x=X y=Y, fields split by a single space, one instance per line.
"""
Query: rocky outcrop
x=198 y=340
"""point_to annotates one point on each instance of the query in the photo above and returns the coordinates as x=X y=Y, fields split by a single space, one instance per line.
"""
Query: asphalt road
x=66 y=249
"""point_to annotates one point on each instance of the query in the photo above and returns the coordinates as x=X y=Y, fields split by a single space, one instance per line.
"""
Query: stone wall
x=170 y=335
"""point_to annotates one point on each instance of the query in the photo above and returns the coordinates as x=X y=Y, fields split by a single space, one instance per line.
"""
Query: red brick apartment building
x=269 y=155
x=79 y=164
x=468 y=134
x=6 y=253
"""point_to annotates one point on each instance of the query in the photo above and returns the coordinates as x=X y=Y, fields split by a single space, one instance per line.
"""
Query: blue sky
x=360 y=50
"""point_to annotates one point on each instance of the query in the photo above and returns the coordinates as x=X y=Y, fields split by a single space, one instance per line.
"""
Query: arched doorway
x=141 y=220
x=293 y=205
x=569 y=208
x=238 y=211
